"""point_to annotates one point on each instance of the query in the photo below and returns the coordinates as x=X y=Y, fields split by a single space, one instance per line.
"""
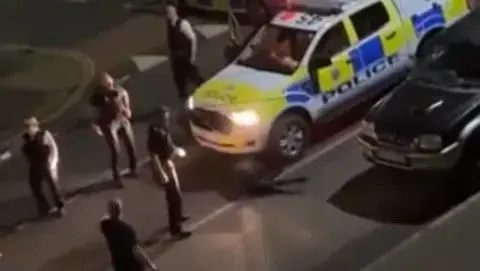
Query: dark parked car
x=432 y=120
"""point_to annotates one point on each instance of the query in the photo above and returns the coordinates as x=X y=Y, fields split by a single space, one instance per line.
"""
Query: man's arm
x=158 y=174
x=188 y=31
x=126 y=102
x=142 y=255
x=138 y=250
x=52 y=145
x=94 y=114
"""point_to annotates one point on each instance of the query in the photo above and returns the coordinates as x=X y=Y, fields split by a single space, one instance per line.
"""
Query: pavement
x=45 y=82
x=336 y=212
x=453 y=235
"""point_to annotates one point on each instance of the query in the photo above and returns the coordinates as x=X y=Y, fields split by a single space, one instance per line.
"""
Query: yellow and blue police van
x=310 y=63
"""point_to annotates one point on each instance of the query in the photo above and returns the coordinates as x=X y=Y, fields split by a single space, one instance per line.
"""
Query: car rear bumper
x=411 y=160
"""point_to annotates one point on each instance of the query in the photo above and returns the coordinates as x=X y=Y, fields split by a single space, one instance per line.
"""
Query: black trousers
x=37 y=176
x=173 y=194
x=113 y=132
x=183 y=72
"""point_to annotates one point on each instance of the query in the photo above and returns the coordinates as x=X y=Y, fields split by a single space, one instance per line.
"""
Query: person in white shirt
x=42 y=155
x=182 y=45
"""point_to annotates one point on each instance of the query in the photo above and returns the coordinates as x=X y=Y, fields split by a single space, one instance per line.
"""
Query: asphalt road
x=342 y=216
x=345 y=216
x=84 y=155
x=57 y=23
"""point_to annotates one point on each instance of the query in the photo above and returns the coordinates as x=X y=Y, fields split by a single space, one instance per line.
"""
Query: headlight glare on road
x=245 y=118
x=368 y=129
x=429 y=142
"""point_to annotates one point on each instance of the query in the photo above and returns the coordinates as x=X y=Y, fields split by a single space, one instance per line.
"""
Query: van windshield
x=276 y=49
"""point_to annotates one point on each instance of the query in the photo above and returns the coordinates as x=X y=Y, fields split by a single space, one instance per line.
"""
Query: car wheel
x=289 y=138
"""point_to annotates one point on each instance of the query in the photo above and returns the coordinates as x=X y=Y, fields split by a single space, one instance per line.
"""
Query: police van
x=312 y=62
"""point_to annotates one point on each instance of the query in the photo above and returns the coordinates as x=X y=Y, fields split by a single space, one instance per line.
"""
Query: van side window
x=370 y=19
x=332 y=42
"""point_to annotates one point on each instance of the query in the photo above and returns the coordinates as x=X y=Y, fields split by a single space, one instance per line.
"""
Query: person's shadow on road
x=280 y=187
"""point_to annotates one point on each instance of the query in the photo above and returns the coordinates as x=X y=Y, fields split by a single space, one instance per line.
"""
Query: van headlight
x=190 y=104
x=429 y=142
x=368 y=129
x=245 y=118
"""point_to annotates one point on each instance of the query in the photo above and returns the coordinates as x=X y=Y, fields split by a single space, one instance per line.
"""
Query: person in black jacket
x=125 y=250
x=41 y=153
x=182 y=45
x=162 y=148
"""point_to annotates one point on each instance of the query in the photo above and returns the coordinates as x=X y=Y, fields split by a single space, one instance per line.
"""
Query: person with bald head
x=113 y=122
x=125 y=250
x=42 y=155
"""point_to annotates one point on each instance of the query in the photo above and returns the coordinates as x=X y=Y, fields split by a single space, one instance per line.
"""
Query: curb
x=88 y=68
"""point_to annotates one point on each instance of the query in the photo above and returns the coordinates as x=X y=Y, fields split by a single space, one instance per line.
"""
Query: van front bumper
x=242 y=141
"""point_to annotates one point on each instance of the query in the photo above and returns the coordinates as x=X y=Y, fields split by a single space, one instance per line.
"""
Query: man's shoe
x=61 y=212
x=118 y=184
x=181 y=235
x=132 y=174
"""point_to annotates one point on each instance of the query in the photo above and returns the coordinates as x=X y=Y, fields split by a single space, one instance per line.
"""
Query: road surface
x=343 y=215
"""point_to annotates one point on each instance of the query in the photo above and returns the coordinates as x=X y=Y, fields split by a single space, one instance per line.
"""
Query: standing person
x=182 y=44
x=113 y=122
x=41 y=153
x=161 y=148
x=126 y=254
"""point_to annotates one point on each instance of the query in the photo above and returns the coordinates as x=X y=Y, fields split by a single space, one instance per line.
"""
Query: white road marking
x=211 y=216
x=209 y=31
x=123 y=79
x=323 y=149
x=147 y=62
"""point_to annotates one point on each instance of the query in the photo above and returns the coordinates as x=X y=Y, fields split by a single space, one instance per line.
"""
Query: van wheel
x=289 y=138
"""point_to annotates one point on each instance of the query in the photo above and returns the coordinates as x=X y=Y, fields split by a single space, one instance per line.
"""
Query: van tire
x=289 y=139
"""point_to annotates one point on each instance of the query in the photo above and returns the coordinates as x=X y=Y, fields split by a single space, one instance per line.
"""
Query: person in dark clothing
x=113 y=122
x=182 y=45
x=162 y=148
x=126 y=254
x=41 y=153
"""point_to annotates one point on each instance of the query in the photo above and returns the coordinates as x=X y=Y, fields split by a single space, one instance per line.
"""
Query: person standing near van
x=182 y=45
x=42 y=155
x=113 y=122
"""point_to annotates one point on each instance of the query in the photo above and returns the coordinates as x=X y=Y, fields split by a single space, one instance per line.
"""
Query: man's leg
x=52 y=181
x=35 y=181
x=176 y=204
x=194 y=74
x=173 y=176
x=180 y=77
x=172 y=201
x=129 y=141
x=111 y=137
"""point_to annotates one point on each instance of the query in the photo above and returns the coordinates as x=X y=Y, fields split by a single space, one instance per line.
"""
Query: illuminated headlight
x=368 y=129
x=190 y=103
x=245 y=118
x=429 y=142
